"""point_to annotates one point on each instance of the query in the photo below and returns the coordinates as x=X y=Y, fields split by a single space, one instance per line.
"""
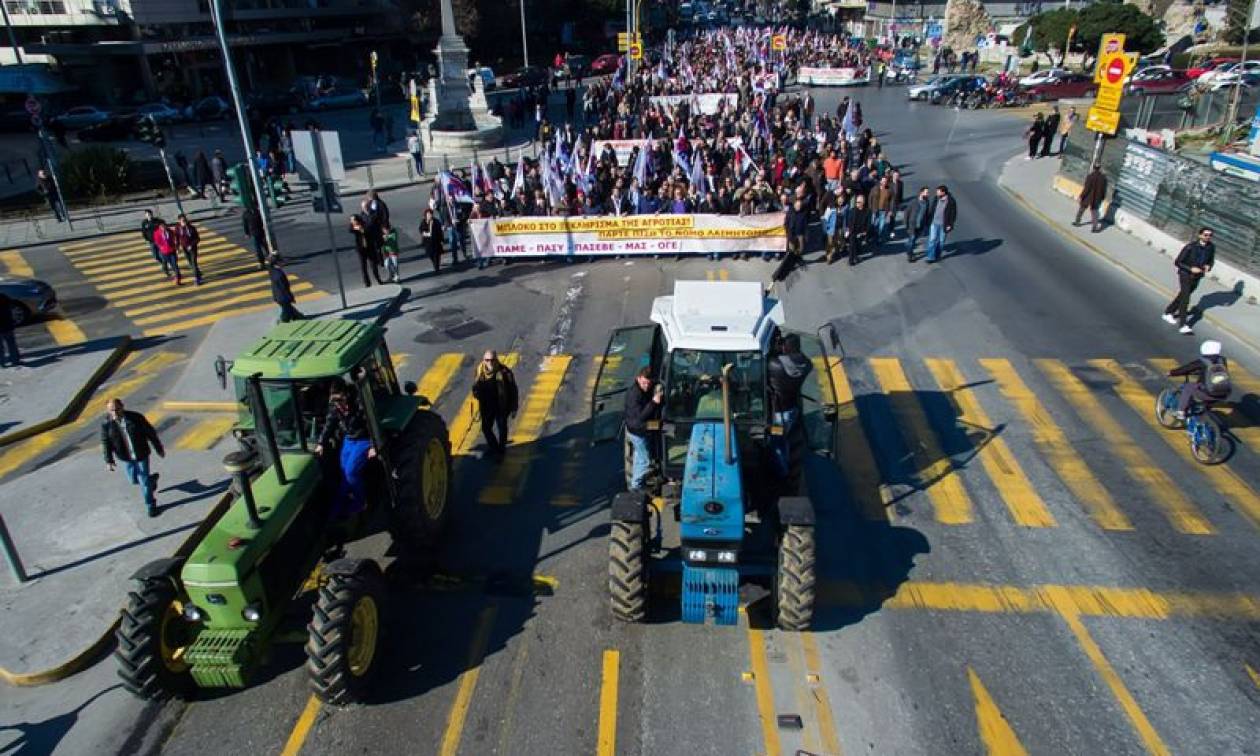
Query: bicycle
x=1210 y=444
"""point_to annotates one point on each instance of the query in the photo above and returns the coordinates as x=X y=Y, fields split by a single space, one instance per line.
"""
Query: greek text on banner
x=629 y=235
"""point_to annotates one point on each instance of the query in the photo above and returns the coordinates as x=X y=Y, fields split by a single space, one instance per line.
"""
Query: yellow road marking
x=121 y=248
x=15 y=264
x=571 y=485
x=765 y=696
x=724 y=274
x=1252 y=673
x=801 y=691
x=1057 y=450
x=439 y=375
x=194 y=294
x=185 y=325
x=1084 y=600
x=206 y=432
x=159 y=282
x=467 y=683
x=302 y=728
x=995 y=732
x=1136 y=716
x=130 y=255
x=1179 y=510
x=1245 y=428
x=822 y=702
x=607 y=743
x=104 y=269
x=510 y=475
x=1244 y=380
x=64 y=331
x=179 y=313
x=1224 y=480
x=935 y=470
x=98 y=241
x=110 y=276
x=465 y=427
x=167 y=292
x=1004 y=470
x=709 y=275
x=858 y=467
x=179 y=406
x=159 y=360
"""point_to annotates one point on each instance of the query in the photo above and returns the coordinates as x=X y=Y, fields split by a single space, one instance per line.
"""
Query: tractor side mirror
x=221 y=368
x=828 y=335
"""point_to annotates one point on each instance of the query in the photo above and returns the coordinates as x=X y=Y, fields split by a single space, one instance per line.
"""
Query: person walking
x=857 y=227
x=389 y=251
x=796 y=224
x=129 y=438
x=1065 y=128
x=431 y=238
x=202 y=176
x=944 y=213
x=1033 y=134
x=643 y=404
x=1049 y=130
x=281 y=292
x=415 y=146
x=10 y=356
x=147 y=226
x=48 y=190
x=1093 y=193
x=918 y=216
x=252 y=223
x=1193 y=263
x=168 y=250
x=881 y=202
x=218 y=171
x=366 y=250
x=497 y=399
x=188 y=238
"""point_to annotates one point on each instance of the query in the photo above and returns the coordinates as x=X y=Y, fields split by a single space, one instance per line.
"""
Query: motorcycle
x=1209 y=443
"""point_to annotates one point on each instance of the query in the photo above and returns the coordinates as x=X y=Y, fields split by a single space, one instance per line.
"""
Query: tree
x=966 y=20
x=1049 y=29
x=1236 y=23
x=1108 y=16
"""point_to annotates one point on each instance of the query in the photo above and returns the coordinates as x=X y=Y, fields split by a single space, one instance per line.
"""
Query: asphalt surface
x=1046 y=570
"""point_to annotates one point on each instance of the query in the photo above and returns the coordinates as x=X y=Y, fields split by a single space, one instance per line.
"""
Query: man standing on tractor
x=345 y=415
x=128 y=437
x=497 y=399
x=643 y=403
x=786 y=373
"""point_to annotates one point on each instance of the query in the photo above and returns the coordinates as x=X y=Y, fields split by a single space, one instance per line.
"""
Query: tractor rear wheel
x=152 y=638
x=627 y=578
x=794 y=582
x=344 y=636
x=423 y=461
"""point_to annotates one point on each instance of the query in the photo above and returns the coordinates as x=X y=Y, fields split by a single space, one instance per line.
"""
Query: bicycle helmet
x=1210 y=348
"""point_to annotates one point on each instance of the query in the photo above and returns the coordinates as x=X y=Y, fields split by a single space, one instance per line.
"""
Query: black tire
x=339 y=669
x=152 y=636
x=421 y=453
x=1219 y=449
x=1163 y=416
x=794 y=581
x=19 y=313
x=627 y=580
x=627 y=458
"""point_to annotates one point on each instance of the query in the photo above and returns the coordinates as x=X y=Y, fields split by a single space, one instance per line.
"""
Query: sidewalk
x=1228 y=296
x=51 y=384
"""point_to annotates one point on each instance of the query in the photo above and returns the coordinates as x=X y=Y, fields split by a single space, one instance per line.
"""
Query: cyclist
x=1210 y=378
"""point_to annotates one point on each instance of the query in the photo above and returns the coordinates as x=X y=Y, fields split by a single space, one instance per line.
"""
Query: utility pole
x=1232 y=113
x=524 y=37
x=629 y=40
x=8 y=25
x=216 y=15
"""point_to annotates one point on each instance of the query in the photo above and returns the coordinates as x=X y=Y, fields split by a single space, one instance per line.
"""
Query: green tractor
x=209 y=620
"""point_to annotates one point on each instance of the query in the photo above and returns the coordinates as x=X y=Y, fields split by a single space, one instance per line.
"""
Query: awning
x=33 y=78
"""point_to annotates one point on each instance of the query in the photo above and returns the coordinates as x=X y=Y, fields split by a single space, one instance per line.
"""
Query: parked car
x=576 y=67
x=161 y=113
x=605 y=64
x=119 y=128
x=526 y=76
x=1158 y=82
x=924 y=89
x=1246 y=80
x=275 y=102
x=209 y=109
x=487 y=76
x=338 y=98
x=1231 y=72
x=1207 y=66
x=81 y=117
x=31 y=297
x=1066 y=85
x=956 y=85
x=1041 y=77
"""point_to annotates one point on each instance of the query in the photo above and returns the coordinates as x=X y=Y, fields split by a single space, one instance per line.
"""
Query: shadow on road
x=37 y=738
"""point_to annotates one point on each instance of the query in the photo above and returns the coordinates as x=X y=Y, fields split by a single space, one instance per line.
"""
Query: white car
x=1041 y=77
x=1230 y=73
x=161 y=113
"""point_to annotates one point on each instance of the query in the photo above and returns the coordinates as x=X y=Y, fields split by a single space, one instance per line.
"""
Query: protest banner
x=706 y=104
x=603 y=235
x=833 y=77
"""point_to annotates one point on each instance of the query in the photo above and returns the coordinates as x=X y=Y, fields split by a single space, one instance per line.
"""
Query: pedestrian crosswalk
x=122 y=269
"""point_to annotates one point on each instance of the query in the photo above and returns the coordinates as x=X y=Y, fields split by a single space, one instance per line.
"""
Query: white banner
x=601 y=235
x=832 y=77
x=763 y=81
x=706 y=104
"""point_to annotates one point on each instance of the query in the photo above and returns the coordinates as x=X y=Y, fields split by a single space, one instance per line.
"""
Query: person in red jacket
x=168 y=248
x=188 y=238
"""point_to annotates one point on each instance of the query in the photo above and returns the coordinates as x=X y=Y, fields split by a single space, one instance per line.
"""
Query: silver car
x=29 y=296
x=924 y=89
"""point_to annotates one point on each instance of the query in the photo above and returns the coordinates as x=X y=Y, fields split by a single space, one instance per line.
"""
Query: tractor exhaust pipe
x=263 y=424
x=238 y=464
x=726 y=411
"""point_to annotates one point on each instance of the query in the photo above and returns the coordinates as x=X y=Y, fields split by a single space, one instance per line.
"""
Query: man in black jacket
x=128 y=437
x=1193 y=263
x=643 y=403
x=281 y=293
x=9 y=354
x=786 y=373
x=498 y=398
x=147 y=227
x=941 y=220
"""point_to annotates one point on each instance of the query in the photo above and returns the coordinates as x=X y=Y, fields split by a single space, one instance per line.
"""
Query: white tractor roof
x=717 y=316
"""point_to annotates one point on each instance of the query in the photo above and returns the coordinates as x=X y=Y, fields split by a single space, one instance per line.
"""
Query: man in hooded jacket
x=786 y=373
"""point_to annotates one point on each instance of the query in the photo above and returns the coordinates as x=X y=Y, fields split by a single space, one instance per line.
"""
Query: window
x=695 y=385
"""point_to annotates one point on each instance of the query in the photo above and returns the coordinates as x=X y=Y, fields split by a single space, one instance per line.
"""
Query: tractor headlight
x=726 y=556
x=193 y=614
x=697 y=555
x=252 y=613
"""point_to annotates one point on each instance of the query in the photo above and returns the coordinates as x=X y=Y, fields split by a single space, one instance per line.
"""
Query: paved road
x=1011 y=555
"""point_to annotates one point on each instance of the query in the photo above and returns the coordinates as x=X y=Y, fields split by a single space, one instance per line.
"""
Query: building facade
x=925 y=19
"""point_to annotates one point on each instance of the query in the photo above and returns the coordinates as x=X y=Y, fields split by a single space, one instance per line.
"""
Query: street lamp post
x=524 y=36
x=216 y=15
x=1232 y=114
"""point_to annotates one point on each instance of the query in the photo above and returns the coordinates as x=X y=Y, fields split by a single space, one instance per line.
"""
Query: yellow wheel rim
x=172 y=654
x=364 y=626
x=434 y=479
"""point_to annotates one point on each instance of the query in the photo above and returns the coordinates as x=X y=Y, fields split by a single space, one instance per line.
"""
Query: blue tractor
x=725 y=502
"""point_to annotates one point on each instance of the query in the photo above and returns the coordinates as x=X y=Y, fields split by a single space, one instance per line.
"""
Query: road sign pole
x=171 y=180
x=52 y=173
x=1098 y=150
x=318 y=143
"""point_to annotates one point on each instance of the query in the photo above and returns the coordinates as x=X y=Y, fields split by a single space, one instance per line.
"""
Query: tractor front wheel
x=423 y=463
x=344 y=637
x=794 y=582
x=627 y=578
x=152 y=638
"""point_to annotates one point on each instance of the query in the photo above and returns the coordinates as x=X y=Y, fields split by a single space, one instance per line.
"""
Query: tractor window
x=380 y=375
x=279 y=398
x=695 y=385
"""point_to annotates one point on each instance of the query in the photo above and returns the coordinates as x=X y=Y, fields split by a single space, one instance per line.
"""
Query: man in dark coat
x=857 y=227
x=785 y=374
x=1193 y=263
x=1050 y=128
x=1092 y=195
x=941 y=219
x=9 y=354
x=281 y=293
x=253 y=225
x=643 y=404
x=128 y=437
x=918 y=216
x=497 y=398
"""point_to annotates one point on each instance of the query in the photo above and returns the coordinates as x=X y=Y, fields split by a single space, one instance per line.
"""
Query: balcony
x=52 y=13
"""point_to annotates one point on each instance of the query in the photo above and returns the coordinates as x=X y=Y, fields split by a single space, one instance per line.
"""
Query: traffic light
x=238 y=176
x=147 y=130
x=277 y=190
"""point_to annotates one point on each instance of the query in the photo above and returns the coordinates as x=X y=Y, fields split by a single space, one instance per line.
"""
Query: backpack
x=1216 y=378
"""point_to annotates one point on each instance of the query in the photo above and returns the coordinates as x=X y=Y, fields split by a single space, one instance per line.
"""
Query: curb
x=77 y=401
x=1155 y=286
x=89 y=656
